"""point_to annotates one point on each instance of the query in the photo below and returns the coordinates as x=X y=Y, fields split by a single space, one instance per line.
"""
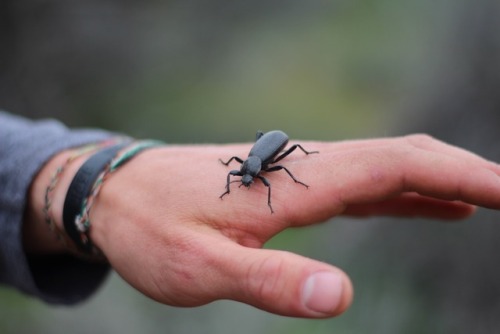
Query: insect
x=263 y=153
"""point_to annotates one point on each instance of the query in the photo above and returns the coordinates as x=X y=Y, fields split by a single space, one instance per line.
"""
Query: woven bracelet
x=80 y=187
x=89 y=148
x=83 y=219
x=93 y=173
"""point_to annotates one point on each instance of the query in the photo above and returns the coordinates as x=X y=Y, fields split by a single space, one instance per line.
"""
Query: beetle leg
x=290 y=150
x=234 y=173
x=276 y=168
x=268 y=185
x=233 y=158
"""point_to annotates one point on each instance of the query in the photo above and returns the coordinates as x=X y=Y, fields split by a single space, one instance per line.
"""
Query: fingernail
x=322 y=292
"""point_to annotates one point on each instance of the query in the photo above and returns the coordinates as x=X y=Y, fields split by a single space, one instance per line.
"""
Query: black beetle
x=263 y=153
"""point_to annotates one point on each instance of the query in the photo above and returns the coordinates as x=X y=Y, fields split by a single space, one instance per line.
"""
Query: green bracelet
x=82 y=221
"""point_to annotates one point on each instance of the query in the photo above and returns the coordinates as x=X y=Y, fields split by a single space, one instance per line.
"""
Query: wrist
x=62 y=194
x=38 y=236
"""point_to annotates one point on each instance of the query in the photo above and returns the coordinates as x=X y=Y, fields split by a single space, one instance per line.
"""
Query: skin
x=163 y=228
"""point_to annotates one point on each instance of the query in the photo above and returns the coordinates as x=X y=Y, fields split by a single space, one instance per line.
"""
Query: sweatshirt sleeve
x=25 y=146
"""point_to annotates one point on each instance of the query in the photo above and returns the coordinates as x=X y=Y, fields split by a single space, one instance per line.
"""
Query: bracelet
x=82 y=221
x=49 y=220
x=80 y=187
x=88 y=183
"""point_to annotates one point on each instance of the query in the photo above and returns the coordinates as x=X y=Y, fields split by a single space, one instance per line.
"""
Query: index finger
x=374 y=174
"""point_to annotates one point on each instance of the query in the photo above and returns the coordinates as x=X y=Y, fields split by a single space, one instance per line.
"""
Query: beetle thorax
x=250 y=169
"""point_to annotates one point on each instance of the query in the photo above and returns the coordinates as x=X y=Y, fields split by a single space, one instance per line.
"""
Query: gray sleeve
x=24 y=147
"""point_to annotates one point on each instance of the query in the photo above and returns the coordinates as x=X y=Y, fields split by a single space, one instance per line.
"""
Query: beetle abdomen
x=269 y=145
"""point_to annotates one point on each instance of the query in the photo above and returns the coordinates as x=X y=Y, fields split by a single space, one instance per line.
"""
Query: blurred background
x=216 y=71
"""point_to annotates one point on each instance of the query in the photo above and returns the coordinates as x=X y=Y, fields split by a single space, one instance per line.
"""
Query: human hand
x=163 y=228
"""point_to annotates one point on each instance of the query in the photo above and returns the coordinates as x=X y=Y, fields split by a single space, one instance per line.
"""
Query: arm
x=163 y=228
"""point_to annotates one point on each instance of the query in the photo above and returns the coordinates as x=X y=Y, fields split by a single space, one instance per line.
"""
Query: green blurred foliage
x=328 y=70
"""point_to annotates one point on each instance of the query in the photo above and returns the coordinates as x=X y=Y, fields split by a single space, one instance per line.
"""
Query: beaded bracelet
x=81 y=223
x=56 y=176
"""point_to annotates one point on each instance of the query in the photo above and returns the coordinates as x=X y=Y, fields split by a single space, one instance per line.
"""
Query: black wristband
x=80 y=188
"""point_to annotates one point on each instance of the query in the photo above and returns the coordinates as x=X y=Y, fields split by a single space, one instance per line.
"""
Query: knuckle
x=420 y=140
x=265 y=279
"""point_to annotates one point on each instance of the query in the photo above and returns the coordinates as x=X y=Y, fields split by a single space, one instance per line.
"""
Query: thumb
x=285 y=283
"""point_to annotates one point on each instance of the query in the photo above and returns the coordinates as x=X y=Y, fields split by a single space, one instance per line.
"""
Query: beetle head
x=247 y=180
